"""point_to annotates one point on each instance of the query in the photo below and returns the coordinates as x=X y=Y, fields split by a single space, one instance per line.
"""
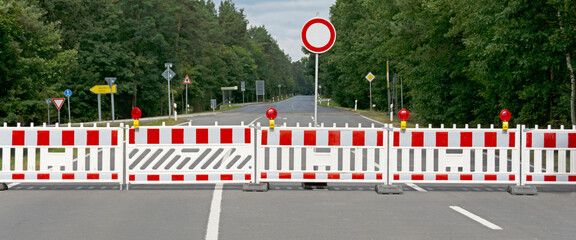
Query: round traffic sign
x=318 y=35
x=67 y=92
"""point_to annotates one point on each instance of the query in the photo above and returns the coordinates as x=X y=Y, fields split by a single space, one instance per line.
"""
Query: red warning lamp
x=136 y=114
x=271 y=114
x=403 y=115
x=505 y=116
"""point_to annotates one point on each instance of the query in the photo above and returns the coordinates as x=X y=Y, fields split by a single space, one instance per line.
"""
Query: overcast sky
x=283 y=19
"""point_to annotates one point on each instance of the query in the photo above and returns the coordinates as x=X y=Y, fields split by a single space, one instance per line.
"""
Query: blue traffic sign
x=67 y=92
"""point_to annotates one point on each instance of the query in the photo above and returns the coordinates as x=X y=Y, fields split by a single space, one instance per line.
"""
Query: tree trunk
x=573 y=85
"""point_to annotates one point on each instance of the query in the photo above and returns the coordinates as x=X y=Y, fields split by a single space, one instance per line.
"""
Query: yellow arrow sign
x=98 y=89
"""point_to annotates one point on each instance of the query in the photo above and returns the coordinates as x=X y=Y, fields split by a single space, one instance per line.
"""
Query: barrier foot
x=389 y=189
x=255 y=187
x=3 y=187
x=522 y=190
x=315 y=185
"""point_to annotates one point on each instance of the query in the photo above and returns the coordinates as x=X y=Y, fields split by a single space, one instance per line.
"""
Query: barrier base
x=3 y=187
x=255 y=187
x=389 y=189
x=522 y=190
x=315 y=185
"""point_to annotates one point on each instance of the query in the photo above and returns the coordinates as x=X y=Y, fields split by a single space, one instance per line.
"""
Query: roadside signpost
x=168 y=75
x=68 y=93
x=318 y=36
x=260 y=90
x=370 y=77
x=186 y=82
x=48 y=101
x=99 y=90
x=110 y=81
x=243 y=88
x=58 y=102
x=213 y=104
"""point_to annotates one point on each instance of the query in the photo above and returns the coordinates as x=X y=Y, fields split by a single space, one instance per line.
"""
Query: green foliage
x=461 y=61
x=47 y=46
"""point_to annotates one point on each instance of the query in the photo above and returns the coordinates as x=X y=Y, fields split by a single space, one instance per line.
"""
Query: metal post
x=370 y=95
x=401 y=95
x=48 y=100
x=316 y=93
x=110 y=81
x=58 y=116
x=69 y=118
x=99 y=107
x=186 y=99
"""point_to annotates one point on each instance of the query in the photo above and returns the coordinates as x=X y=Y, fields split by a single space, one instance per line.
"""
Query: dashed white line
x=214 y=217
x=416 y=187
x=476 y=218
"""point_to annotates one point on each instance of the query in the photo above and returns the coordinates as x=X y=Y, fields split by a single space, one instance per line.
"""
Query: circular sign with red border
x=318 y=35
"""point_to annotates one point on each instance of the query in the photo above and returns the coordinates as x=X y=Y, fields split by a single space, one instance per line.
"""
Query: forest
x=47 y=46
x=460 y=61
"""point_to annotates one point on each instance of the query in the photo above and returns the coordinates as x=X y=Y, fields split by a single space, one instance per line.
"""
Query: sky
x=283 y=19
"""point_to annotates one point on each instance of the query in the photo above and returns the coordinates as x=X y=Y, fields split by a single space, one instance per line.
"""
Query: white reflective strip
x=503 y=139
x=429 y=139
x=238 y=177
x=55 y=176
x=297 y=137
x=502 y=177
x=213 y=135
x=30 y=138
x=55 y=137
x=189 y=136
x=429 y=177
x=322 y=138
x=346 y=176
x=141 y=178
x=189 y=177
x=297 y=175
x=454 y=139
x=538 y=178
x=105 y=138
x=321 y=175
x=478 y=177
x=5 y=176
x=80 y=137
x=561 y=140
x=405 y=139
x=561 y=178
x=5 y=137
x=238 y=136
x=273 y=175
x=80 y=176
x=30 y=176
x=478 y=139
x=165 y=177
x=345 y=138
x=369 y=176
x=214 y=177
x=405 y=177
x=370 y=138
x=165 y=136
x=273 y=137
x=141 y=136
x=537 y=140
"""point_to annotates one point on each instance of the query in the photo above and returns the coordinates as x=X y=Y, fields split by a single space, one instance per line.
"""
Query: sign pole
x=316 y=93
x=69 y=118
x=186 y=98
x=58 y=116
x=99 y=107
x=110 y=81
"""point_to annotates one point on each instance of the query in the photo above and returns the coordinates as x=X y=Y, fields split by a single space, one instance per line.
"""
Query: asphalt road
x=344 y=211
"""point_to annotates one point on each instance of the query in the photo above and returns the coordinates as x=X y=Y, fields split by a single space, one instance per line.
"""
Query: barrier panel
x=549 y=156
x=441 y=155
x=190 y=154
x=321 y=154
x=61 y=154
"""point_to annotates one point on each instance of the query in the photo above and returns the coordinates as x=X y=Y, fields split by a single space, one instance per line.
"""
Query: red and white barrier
x=61 y=154
x=296 y=154
x=190 y=154
x=442 y=155
x=549 y=156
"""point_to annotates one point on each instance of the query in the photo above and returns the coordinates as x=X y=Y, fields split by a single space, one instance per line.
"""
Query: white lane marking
x=255 y=120
x=416 y=187
x=372 y=120
x=12 y=184
x=214 y=217
x=476 y=218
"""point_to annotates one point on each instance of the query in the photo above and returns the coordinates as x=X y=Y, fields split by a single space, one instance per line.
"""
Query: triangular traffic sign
x=58 y=102
x=187 y=80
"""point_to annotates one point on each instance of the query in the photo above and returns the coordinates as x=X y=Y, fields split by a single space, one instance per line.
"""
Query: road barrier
x=441 y=155
x=187 y=154
x=255 y=154
x=306 y=154
x=61 y=154
x=549 y=156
